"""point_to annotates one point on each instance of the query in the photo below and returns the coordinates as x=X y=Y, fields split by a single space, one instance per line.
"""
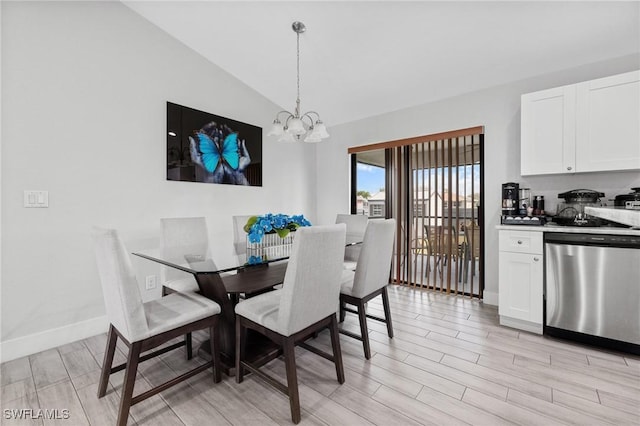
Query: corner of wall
x=490 y=298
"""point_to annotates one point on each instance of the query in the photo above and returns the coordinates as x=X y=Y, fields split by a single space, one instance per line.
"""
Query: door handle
x=535 y=259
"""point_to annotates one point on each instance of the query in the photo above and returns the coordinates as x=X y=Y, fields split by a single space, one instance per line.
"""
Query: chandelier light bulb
x=277 y=129
x=286 y=137
x=321 y=129
x=296 y=127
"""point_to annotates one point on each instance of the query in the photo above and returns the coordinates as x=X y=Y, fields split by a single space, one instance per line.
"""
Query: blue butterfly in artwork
x=212 y=152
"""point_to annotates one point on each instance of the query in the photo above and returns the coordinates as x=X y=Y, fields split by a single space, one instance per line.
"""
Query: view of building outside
x=435 y=201
x=432 y=197
x=370 y=196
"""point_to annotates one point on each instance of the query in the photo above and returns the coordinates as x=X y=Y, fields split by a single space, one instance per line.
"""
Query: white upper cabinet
x=585 y=127
x=548 y=131
x=608 y=123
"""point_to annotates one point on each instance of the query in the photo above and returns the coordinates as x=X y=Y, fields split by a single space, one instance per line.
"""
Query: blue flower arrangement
x=255 y=260
x=269 y=223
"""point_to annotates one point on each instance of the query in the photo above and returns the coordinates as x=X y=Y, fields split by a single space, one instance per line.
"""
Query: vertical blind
x=434 y=191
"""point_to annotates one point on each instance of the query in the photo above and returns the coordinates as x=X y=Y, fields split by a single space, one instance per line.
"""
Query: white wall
x=498 y=109
x=85 y=86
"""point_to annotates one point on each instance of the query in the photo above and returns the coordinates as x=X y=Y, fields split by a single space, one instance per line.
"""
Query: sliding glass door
x=434 y=189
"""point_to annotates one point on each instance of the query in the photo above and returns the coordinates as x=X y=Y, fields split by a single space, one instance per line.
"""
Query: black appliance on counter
x=510 y=198
x=571 y=211
x=629 y=201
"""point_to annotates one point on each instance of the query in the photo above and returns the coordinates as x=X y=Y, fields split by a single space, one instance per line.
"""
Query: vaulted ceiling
x=364 y=58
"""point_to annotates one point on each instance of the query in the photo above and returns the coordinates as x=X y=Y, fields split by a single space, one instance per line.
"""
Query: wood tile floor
x=449 y=363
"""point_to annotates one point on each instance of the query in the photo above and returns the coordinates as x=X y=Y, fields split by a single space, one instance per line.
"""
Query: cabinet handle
x=535 y=259
x=569 y=168
x=519 y=241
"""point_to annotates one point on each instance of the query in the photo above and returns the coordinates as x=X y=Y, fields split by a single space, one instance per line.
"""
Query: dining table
x=227 y=285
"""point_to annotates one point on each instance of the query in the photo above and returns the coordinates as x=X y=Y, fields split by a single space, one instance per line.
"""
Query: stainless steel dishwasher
x=592 y=289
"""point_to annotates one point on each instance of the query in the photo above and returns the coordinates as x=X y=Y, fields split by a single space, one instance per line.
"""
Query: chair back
x=119 y=285
x=374 y=265
x=445 y=241
x=356 y=227
x=180 y=236
x=356 y=223
x=472 y=239
x=239 y=235
x=311 y=288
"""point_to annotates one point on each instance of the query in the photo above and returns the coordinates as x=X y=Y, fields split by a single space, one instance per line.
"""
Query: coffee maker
x=510 y=198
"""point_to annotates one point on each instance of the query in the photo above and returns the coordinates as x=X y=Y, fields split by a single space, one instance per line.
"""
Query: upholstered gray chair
x=240 y=236
x=182 y=235
x=356 y=226
x=144 y=326
x=305 y=305
x=370 y=279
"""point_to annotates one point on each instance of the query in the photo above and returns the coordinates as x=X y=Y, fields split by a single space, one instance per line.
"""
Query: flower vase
x=270 y=247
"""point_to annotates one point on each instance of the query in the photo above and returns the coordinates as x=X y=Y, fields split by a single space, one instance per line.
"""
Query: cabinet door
x=608 y=123
x=547 y=137
x=520 y=286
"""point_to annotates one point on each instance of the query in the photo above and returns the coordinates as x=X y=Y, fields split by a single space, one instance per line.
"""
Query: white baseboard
x=490 y=298
x=521 y=325
x=38 y=342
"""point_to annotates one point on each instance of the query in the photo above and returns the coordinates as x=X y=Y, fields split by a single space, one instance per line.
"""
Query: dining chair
x=370 y=279
x=180 y=236
x=306 y=304
x=471 y=250
x=356 y=226
x=145 y=326
x=240 y=236
x=420 y=247
x=446 y=248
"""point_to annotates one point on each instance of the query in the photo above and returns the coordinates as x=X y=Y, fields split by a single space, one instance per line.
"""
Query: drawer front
x=521 y=241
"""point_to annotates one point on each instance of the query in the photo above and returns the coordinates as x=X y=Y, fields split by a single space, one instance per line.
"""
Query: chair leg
x=335 y=346
x=364 y=330
x=189 y=346
x=110 y=350
x=129 y=381
x=342 y=311
x=387 y=311
x=292 y=379
x=240 y=348
x=214 y=340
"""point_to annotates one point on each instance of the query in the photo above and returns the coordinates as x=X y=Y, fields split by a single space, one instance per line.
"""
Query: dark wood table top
x=255 y=278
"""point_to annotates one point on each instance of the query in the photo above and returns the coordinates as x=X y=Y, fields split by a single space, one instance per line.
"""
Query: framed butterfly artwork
x=204 y=147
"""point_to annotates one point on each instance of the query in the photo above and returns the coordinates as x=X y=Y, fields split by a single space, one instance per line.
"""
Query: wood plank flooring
x=450 y=363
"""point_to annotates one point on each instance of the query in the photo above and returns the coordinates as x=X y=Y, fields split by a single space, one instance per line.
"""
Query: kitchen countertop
x=610 y=230
x=617 y=214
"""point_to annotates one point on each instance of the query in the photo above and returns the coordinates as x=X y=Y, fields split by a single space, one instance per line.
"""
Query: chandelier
x=296 y=124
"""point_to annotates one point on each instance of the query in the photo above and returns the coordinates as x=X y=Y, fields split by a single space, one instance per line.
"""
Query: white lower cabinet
x=520 y=280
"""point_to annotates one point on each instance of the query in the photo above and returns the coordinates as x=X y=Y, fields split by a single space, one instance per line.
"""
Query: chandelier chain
x=298 y=68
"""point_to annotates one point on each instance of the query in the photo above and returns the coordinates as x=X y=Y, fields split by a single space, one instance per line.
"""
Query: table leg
x=259 y=350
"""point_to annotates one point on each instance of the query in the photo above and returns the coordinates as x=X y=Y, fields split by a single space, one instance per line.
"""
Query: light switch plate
x=37 y=199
